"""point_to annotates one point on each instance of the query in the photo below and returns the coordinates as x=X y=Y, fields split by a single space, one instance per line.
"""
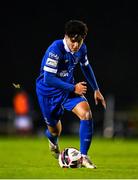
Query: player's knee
x=86 y=115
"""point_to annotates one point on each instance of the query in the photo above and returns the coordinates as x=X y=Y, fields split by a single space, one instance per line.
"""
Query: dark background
x=27 y=29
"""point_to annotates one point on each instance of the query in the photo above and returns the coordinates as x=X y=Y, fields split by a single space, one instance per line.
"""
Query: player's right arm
x=56 y=82
x=80 y=88
x=52 y=80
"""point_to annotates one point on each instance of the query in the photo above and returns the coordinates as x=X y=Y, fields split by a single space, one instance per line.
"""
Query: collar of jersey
x=66 y=47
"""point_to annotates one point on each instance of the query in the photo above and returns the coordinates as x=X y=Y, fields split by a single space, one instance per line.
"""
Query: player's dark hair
x=76 y=29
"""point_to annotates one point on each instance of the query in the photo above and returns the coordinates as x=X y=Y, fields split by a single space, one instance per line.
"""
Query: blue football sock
x=86 y=132
x=52 y=138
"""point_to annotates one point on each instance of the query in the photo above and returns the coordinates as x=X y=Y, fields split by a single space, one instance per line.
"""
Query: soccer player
x=57 y=90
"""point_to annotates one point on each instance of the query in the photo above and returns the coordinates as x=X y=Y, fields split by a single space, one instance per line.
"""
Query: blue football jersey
x=59 y=60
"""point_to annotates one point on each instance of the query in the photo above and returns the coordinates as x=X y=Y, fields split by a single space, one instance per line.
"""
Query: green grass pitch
x=30 y=158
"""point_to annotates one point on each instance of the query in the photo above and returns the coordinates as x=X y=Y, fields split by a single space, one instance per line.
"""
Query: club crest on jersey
x=53 y=55
x=51 y=62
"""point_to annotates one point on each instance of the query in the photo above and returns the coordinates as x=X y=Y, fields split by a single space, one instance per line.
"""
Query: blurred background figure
x=22 y=109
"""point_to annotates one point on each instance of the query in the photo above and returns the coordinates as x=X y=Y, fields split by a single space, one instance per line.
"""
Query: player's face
x=72 y=44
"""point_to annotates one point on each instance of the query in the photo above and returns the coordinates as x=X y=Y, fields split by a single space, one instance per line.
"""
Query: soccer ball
x=70 y=158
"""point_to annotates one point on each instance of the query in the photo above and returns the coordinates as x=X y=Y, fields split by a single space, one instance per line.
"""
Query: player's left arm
x=90 y=77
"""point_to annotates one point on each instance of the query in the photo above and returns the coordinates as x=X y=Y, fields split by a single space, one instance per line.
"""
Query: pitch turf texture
x=30 y=158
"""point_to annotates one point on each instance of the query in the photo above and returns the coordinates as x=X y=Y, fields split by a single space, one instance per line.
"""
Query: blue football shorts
x=53 y=107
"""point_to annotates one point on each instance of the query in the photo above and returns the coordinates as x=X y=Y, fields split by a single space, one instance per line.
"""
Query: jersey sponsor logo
x=63 y=73
x=53 y=55
x=51 y=62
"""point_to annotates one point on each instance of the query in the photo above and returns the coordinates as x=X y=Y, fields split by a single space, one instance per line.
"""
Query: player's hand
x=80 y=88
x=99 y=97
